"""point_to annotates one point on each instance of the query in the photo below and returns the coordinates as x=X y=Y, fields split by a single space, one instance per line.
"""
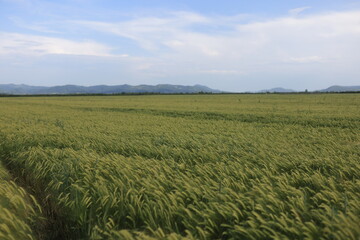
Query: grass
x=187 y=166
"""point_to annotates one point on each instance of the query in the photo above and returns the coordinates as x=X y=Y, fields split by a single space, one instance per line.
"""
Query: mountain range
x=335 y=88
x=22 y=89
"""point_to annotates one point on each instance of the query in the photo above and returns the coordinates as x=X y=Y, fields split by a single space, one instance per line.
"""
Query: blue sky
x=229 y=45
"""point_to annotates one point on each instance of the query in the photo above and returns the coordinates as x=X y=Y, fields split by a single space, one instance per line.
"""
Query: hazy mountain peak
x=338 y=88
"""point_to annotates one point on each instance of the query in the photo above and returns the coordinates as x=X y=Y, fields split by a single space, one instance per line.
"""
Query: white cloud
x=297 y=11
x=310 y=35
x=148 y=31
x=14 y=43
x=38 y=27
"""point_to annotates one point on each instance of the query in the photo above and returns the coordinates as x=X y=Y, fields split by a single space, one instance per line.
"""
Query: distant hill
x=278 y=90
x=19 y=89
x=103 y=89
x=337 y=88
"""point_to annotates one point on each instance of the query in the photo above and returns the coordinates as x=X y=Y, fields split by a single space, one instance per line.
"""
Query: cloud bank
x=188 y=45
x=14 y=43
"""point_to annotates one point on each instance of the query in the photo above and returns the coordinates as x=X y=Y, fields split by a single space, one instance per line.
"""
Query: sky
x=231 y=45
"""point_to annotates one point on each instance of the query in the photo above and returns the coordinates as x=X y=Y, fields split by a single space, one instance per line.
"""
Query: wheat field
x=237 y=166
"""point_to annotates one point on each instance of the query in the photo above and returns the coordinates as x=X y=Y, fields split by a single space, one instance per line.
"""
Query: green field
x=261 y=166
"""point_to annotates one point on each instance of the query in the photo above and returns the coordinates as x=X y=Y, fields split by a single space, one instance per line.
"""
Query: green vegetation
x=182 y=166
x=18 y=210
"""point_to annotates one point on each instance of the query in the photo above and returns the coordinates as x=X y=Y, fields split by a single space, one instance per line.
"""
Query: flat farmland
x=227 y=166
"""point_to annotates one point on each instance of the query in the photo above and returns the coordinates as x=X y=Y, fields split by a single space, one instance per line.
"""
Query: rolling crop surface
x=239 y=166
